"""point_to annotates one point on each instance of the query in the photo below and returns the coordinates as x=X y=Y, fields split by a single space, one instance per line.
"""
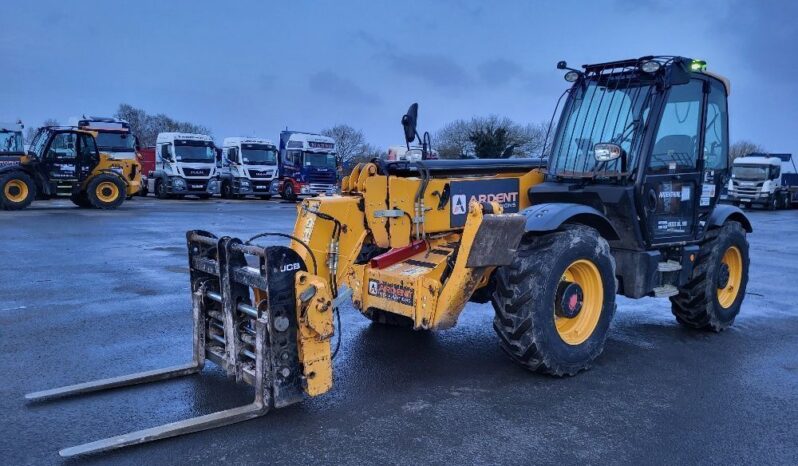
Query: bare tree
x=742 y=148
x=146 y=127
x=350 y=143
x=31 y=131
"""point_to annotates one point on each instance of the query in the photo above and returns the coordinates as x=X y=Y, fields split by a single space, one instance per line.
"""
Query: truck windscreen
x=258 y=154
x=10 y=142
x=750 y=172
x=116 y=142
x=317 y=160
x=195 y=151
x=609 y=110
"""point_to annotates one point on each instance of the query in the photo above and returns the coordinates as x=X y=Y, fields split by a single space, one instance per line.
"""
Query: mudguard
x=550 y=216
x=724 y=212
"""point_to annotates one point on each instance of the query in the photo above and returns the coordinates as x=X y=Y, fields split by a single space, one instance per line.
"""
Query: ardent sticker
x=397 y=293
x=502 y=190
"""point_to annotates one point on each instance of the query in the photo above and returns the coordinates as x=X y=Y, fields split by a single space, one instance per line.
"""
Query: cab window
x=676 y=144
x=716 y=133
x=62 y=147
x=88 y=147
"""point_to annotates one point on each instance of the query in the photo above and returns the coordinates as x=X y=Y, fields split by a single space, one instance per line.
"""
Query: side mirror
x=409 y=121
x=607 y=152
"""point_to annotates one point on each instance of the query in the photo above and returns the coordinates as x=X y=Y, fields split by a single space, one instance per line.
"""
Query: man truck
x=764 y=180
x=185 y=165
x=248 y=166
x=308 y=165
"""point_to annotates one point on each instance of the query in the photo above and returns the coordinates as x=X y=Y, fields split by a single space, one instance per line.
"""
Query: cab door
x=672 y=177
x=61 y=157
x=88 y=156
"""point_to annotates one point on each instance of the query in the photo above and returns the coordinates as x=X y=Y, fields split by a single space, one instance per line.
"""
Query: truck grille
x=328 y=178
x=261 y=173
x=197 y=171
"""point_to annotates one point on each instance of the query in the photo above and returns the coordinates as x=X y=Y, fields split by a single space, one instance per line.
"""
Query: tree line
x=490 y=136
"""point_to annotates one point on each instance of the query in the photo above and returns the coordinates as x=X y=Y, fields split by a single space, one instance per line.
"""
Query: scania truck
x=764 y=180
x=248 y=166
x=308 y=165
x=185 y=165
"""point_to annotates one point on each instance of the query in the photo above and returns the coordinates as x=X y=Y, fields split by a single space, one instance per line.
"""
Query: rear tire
x=227 y=191
x=533 y=292
x=702 y=303
x=80 y=199
x=17 y=190
x=106 y=192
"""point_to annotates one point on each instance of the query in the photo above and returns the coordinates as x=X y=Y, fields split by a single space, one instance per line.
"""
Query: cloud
x=332 y=85
x=438 y=70
x=499 y=71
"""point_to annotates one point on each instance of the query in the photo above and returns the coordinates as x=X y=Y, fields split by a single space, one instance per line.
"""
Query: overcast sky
x=253 y=68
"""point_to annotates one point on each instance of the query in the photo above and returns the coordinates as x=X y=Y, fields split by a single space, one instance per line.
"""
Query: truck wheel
x=227 y=191
x=555 y=302
x=288 y=192
x=106 y=191
x=160 y=190
x=773 y=203
x=17 y=190
x=80 y=199
x=713 y=296
x=143 y=191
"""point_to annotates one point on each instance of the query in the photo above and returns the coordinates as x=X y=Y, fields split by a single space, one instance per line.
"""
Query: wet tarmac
x=88 y=294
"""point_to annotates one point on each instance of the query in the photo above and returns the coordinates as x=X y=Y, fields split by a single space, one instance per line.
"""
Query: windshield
x=258 y=154
x=319 y=160
x=612 y=109
x=194 y=151
x=750 y=172
x=10 y=141
x=116 y=142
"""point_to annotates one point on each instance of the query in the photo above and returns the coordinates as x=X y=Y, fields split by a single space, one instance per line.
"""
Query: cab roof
x=237 y=140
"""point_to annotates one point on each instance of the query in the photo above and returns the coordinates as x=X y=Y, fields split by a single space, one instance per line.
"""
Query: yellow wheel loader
x=65 y=161
x=625 y=205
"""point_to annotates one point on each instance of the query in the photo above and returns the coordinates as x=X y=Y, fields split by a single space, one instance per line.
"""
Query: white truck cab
x=766 y=180
x=248 y=167
x=185 y=165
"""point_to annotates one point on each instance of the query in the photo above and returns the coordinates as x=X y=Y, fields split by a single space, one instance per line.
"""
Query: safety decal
x=397 y=293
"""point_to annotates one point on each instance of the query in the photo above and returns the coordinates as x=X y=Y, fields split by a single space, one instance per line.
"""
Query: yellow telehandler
x=626 y=204
x=66 y=161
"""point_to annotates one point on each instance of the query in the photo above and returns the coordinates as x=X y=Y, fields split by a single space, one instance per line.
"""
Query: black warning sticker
x=398 y=293
x=503 y=191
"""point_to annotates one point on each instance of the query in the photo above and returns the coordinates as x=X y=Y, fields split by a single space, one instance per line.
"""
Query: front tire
x=712 y=298
x=288 y=191
x=555 y=302
x=160 y=190
x=106 y=192
x=17 y=190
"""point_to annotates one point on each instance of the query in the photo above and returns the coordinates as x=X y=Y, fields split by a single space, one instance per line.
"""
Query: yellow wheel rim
x=577 y=329
x=107 y=191
x=16 y=191
x=733 y=260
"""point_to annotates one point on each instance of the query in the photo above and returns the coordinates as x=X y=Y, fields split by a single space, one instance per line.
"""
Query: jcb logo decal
x=289 y=267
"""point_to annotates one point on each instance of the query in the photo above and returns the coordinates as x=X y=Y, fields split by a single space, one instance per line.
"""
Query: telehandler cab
x=627 y=204
x=65 y=161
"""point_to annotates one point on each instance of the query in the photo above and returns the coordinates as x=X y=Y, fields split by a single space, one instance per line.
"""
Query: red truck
x=146 y=158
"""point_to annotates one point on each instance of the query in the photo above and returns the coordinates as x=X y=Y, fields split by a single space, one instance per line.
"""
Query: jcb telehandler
x=65 y=161
x=627 y=204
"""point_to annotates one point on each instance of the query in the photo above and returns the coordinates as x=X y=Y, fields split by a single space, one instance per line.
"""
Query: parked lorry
x=308 y=165
x=248 y=166
x=764 y=180
x=185 y=165
x=146 y=158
